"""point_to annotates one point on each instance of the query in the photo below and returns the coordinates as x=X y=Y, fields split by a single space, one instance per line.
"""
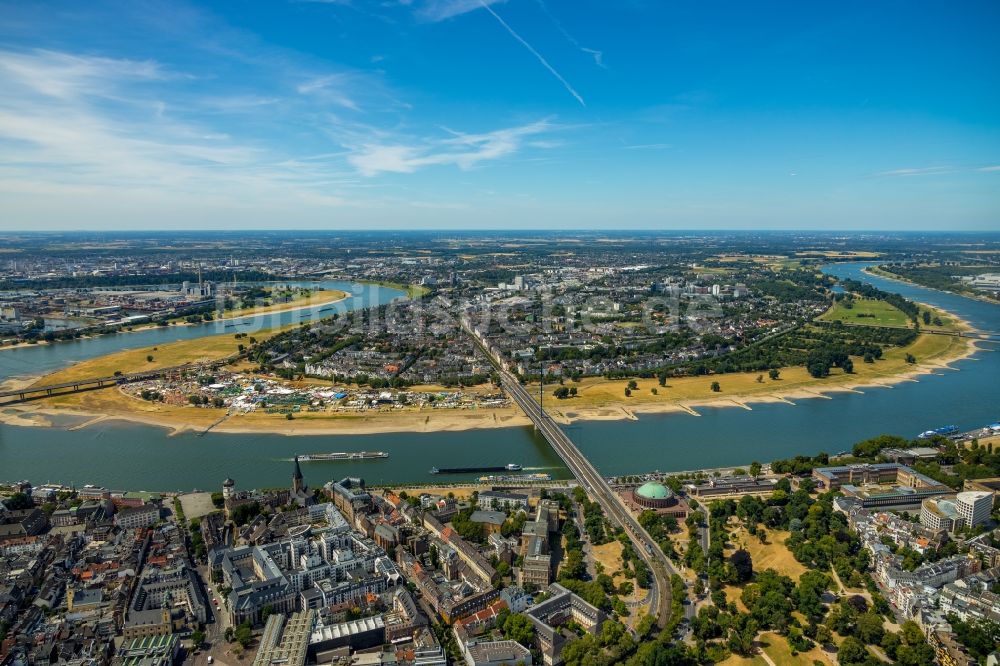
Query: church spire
x=297 y=485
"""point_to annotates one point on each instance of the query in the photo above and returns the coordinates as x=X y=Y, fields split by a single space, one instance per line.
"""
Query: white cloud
x=918 y=171
x=648 y=146
x=109 y=138
x=238 y=103
x=374 y=159
x=64 y=76
x=937 y=170
x=331 y=88
x=462 y=150
x=86 y=138
x=71 y=124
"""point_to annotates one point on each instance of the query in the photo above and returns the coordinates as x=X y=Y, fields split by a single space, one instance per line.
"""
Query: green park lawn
x=867 y=312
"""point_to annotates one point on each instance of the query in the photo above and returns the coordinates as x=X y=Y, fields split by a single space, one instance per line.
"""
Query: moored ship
x=509 y=467
x=944 y=431
x=343 y=455
x=515 y=478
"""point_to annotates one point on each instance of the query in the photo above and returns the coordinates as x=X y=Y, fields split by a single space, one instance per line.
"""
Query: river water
x=36 y=359
x=127 y=456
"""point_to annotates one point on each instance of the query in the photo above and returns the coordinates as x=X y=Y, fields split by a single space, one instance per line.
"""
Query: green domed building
x=654 y=495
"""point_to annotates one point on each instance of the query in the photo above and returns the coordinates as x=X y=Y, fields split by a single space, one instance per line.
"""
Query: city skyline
x=456 y=114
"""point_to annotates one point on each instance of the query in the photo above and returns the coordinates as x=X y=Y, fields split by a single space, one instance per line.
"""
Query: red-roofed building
x=484 y=619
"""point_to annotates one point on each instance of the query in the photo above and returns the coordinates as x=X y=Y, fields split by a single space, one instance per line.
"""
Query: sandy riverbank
x=116 y=405
x=790 y=397
x=686 y=394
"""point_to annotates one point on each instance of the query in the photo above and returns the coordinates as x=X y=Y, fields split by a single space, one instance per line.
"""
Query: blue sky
x=499 y=114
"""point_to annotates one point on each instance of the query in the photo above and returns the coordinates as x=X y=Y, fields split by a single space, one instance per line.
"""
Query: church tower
x=297 y=479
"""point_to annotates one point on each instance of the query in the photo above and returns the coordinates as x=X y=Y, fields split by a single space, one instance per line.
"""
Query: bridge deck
x=95 y=382
x=53 y=387
x=595 y=484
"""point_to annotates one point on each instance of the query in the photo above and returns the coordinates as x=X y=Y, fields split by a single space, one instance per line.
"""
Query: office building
x=974 y=506
x=940 y=513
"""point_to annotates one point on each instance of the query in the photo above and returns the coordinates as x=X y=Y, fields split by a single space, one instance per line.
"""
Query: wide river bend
x=132 y=457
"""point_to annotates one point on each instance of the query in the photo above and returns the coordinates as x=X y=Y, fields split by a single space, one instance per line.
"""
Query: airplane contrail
x=536 y=54
x=598 y=56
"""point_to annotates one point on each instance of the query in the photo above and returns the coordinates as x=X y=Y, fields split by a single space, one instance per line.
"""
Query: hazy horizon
x=856 y=234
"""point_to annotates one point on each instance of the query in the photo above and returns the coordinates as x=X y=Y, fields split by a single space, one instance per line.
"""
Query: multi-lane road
x=595 y=485
x=599 y=489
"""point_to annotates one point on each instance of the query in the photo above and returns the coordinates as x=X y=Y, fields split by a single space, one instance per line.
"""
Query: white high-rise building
x=974 y=506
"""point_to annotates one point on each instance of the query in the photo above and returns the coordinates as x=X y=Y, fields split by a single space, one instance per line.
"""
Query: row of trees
x=938 y=276
x=593 y=516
